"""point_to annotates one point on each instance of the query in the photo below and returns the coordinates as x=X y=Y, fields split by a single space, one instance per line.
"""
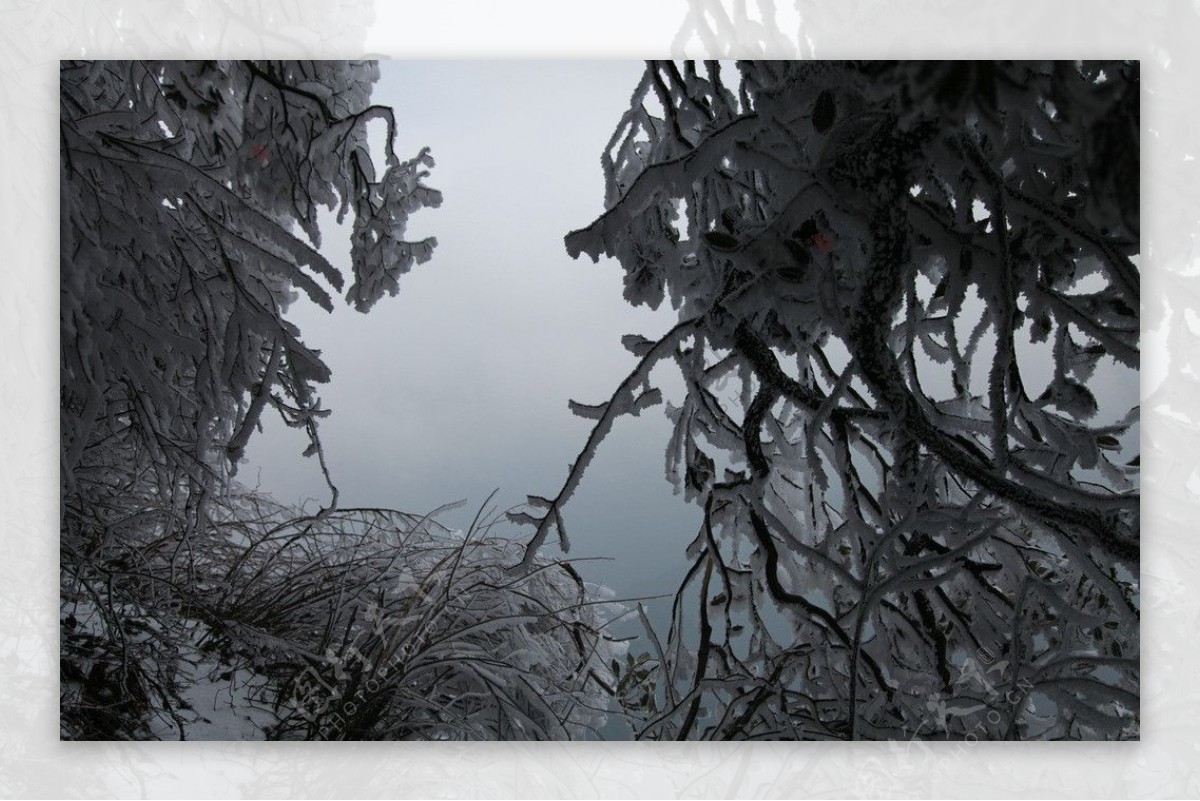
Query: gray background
x=458 y=386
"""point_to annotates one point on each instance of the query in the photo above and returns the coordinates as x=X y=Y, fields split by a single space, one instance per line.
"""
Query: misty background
x=459 y=385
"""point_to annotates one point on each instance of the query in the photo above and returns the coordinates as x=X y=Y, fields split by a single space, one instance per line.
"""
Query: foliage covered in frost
x=897 y=284
x=190 y=607
x=357 y=624
x=190 y=200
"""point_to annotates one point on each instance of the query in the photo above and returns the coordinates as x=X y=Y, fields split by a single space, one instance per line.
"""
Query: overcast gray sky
x=459 y=385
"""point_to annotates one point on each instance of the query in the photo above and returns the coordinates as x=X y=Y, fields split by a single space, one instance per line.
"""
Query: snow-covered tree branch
x=911 y=289
x=190 y=200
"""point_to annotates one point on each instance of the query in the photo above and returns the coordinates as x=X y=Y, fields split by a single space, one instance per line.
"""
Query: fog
x=459 y=385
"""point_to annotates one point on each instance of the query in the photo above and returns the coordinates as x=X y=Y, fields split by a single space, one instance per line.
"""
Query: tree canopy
x=190 y=201
x=898 y=287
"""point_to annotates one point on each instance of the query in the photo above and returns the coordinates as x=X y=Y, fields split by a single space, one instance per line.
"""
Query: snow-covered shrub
x=373 y=624
x=355 y=624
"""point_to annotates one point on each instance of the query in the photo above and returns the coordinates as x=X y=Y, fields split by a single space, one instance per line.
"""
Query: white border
x=33 y=35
